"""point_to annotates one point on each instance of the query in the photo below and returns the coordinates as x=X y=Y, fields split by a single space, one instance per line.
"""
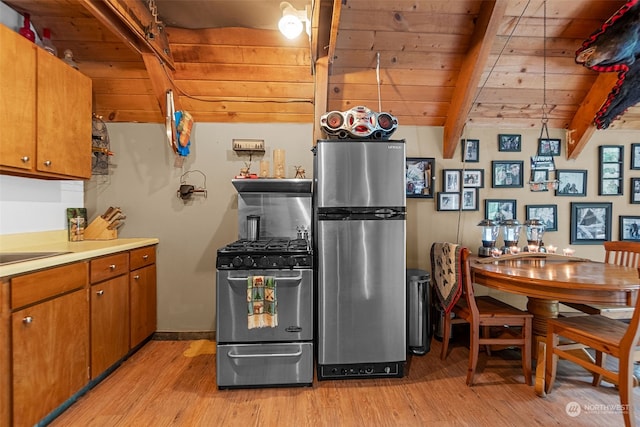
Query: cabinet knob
x=27 y=320
x=47 y=162
x=100 y=292
x=145 y=257
x=25 y=159
x=112 y=266
x=136 y=277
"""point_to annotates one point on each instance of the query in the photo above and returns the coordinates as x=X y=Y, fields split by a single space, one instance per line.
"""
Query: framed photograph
x=509 y=142
x=571 y=182
x=548 y=214
x=630 y=228
x=610 y=172
x=635 y=190
x=448 y=201
x=500 y=209
x=450 y=180
x=473 y=178
x=590 y=223
x=548 y=147
x=419 y=173
x=470 y=150
x=507 y=174
x=469 y=199
x=635 y=156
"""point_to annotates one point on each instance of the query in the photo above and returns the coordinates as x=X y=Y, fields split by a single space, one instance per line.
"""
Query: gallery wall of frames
x=535 y=170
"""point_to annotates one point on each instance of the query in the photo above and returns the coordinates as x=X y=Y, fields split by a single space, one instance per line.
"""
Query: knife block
x=98 y=230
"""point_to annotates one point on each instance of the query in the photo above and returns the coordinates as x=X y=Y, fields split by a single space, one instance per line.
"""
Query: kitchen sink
x=13 y=257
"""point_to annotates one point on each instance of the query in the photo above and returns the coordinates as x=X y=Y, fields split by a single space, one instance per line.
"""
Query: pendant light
x=549 y=184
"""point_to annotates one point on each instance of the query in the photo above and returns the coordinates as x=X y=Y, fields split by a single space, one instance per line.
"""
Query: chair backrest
x=631 y=338
x=622 y=253
x=467 y=283
x=449 y=263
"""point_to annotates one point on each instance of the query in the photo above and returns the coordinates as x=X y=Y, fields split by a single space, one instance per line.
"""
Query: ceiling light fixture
x=293 y=21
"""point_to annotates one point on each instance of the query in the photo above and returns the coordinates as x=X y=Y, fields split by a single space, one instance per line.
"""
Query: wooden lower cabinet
x=50 y=355
x=143 y=299
x=109 y=323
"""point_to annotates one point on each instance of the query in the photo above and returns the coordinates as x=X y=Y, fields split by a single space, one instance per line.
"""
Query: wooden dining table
x=547 y=279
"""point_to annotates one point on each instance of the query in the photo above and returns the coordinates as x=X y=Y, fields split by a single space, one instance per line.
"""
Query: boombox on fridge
x=358 y=122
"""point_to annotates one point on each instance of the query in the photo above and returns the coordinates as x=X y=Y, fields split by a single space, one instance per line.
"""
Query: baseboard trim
x=184 y=336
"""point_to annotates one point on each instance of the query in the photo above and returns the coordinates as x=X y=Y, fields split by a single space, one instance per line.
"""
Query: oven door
x=294 y=295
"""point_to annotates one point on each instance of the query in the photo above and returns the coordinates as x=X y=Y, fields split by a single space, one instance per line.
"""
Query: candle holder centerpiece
x=490 y=231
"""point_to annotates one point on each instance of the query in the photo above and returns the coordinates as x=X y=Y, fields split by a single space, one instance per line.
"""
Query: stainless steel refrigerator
x=359 y=239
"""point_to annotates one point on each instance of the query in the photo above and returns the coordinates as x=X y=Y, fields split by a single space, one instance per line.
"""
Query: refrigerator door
x=360 y=173
x=361 y=291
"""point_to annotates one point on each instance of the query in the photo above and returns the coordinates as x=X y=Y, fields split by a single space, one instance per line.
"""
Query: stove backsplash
x=281 y=214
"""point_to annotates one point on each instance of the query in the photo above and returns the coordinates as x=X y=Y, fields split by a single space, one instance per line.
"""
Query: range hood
x=272 y=185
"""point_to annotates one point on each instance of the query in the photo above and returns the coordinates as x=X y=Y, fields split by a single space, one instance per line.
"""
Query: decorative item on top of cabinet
x=53 y=138
x=143 y=295
x=100 y=146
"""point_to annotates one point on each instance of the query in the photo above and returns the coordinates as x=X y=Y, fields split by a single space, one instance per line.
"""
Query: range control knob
x=248 y=261
x=263 y=262
x=291 y=261
x=280 y=261
x=236 y=261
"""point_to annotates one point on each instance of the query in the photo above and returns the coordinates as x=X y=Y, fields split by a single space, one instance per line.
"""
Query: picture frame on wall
x=509 y=142
x=507 y=173
x=629 y=228
x=590 y=223
x=571 y=182
x=470 y=150
x=473 y=178
x=611 y=170
x=500 y=209
x=448 y=201
x=470 y=199
x=548 y=214
x=419 y=176
x=548 y=147
x=635 y=156
x=635 y=191
x=450 y=180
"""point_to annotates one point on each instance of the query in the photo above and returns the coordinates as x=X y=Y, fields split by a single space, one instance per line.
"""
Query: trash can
x=418 y=311
x=439 y=329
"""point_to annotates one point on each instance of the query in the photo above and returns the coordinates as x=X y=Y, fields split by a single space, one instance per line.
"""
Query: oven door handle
x=279 y=279
x=253 y=356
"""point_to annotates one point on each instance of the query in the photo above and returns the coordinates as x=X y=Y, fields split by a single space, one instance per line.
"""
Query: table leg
x=541 y=310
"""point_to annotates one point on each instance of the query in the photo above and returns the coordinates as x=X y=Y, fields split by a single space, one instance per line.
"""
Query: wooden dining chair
x=605 y=336
x=451 y=272
x=621 y=253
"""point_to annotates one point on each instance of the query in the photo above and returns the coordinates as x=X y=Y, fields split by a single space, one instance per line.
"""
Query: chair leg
x=526 y=351
x=625 y=380
x=600 y=360
x=474 y=349
x=486 y=333
x=551 y=361
x=446 y=329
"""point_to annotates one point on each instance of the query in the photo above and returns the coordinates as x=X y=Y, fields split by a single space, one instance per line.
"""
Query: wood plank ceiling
x=440 y=63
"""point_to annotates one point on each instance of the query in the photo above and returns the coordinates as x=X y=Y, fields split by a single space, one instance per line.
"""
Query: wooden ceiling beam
x=582 y=128
x=473 y=65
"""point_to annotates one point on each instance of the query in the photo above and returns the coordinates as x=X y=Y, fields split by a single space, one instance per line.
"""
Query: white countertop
x=56 y=241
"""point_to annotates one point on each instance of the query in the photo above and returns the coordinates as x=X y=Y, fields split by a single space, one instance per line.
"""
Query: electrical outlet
x=248 y=145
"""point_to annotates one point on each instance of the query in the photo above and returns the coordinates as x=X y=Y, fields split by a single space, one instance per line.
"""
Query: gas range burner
x=272 y=253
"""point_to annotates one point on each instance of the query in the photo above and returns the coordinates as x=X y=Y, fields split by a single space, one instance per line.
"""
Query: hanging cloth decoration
x=185 y=123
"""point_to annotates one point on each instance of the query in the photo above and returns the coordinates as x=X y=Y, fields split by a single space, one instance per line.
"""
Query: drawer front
x=245 y=365
x=142 y=257
x=110 y=266
x=34 y=287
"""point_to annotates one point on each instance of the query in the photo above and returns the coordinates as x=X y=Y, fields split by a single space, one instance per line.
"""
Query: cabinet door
x=64 y=118
x=143 y=303
x=109 y=323
x=18 y=100
x=50 y=355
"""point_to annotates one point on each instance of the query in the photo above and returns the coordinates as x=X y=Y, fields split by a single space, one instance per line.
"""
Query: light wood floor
x=173 y=383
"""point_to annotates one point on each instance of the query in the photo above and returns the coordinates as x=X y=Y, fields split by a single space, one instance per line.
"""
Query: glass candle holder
x=278 y=163
x=265 y=168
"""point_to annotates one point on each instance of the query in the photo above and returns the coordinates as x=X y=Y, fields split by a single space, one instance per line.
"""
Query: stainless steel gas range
x=264 y=291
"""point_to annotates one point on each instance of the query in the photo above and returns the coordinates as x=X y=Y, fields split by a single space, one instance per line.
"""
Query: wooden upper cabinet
x=18 y=100
x=45 y=112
